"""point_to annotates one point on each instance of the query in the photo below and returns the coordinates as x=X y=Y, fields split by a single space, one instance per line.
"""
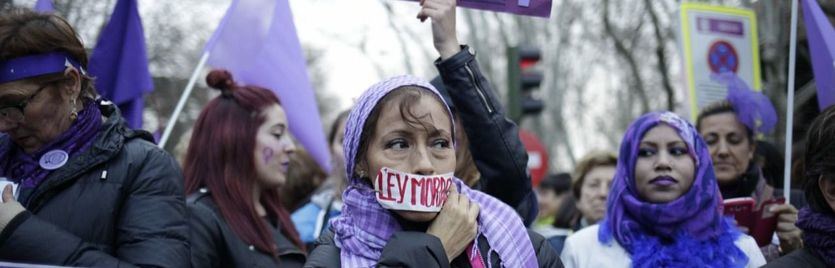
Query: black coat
x=79 y=216
x=494 y=139
x=418 y=249
x=798 y=258
x=214 y=244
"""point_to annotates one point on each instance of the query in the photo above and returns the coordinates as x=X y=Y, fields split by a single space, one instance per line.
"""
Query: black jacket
x=214 y=244
x=80 y=216
x=494 y=139
x=418 y=249
x=798 y=258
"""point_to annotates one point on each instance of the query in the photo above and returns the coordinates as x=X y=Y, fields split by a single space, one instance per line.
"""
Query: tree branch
x=407 y=61
x=662 y=58
x=628 y=57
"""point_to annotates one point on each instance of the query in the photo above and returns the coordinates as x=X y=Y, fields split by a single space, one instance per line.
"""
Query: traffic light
x=523 y=79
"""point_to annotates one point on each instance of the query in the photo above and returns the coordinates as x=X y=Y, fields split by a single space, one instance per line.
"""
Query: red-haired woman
x=236 y=161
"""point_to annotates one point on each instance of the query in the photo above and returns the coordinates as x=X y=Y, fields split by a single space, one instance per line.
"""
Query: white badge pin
x=54 y=159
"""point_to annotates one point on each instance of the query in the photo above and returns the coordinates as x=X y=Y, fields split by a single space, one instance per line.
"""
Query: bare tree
x=4 y=4
x=400 y=38
x=660 y=53
x=326 y=102
x=626 y=54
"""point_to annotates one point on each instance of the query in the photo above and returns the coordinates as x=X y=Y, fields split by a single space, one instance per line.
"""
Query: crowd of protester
x=92 y=192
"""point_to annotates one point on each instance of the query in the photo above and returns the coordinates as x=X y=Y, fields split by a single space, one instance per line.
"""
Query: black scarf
x=743 y=186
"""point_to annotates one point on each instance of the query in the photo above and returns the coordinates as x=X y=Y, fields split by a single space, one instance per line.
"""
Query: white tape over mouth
x=397 y=190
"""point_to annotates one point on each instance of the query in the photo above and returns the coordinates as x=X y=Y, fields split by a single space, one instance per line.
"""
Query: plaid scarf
x=364 y=227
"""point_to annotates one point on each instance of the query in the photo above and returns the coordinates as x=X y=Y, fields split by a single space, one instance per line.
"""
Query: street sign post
x=717 y=39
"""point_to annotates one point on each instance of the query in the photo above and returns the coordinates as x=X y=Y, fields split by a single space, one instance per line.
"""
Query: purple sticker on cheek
x=268 y=154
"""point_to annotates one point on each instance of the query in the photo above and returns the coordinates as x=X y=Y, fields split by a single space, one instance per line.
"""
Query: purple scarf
x=818 y=233
x=693 y=221
x=364 y=227
x=25 y=169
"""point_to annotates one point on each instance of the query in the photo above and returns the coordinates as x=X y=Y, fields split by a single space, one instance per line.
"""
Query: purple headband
x=36 y=65
x=753 y=109
x=366 y=103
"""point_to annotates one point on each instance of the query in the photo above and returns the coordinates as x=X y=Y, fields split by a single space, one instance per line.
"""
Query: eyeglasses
x=13 y=114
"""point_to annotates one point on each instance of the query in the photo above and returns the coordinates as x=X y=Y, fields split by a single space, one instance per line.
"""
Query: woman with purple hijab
x=402 y=128
x=664 y=206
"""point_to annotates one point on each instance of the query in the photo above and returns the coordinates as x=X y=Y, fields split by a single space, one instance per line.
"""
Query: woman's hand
x=787 y=231
x=9 y=208
x=444 y=36
x=456 y=224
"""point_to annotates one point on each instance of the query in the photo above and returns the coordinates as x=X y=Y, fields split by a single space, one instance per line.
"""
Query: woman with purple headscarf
x=730 y=127
x=399 y=148
x=664 y=206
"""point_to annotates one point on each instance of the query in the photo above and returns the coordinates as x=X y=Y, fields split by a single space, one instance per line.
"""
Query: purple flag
x=120 y=64
x=538 y=8
x=44 y=6
x=821 y=39
x=257 y=42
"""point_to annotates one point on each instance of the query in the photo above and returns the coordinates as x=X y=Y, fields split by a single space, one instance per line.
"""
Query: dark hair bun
x=220 y=79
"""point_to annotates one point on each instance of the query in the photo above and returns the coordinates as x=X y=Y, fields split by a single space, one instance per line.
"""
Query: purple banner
x=821 y=37
x=720 y=26
x=822 y=46
x=257 y=41
x=537 y=8
x=120 y=64
x=44 y=6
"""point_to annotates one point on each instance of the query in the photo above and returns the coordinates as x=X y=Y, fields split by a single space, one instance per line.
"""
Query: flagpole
x=790 y=104
x=183 y=98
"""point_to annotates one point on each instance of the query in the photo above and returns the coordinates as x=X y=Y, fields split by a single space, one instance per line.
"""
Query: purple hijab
x=25 y=169
x=364 y=227
x=700 y=235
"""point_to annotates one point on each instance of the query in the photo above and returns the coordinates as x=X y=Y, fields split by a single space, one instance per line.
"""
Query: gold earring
x=361 y=173
x=73 y=114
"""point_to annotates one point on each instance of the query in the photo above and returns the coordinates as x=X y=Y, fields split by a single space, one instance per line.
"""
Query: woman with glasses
x=89 y=190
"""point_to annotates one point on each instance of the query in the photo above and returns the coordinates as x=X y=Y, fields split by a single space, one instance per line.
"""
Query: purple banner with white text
x=538 y=8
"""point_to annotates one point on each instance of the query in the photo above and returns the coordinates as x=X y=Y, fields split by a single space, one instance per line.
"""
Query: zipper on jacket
x=478 y=89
